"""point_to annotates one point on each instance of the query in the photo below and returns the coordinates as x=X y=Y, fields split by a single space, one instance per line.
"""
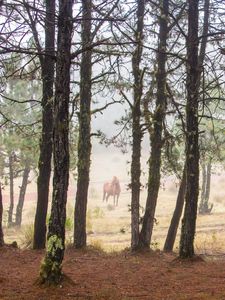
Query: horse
x=112 y=189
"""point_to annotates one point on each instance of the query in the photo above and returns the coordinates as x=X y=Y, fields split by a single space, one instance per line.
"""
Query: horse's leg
x=107 y=197
x=103 y=196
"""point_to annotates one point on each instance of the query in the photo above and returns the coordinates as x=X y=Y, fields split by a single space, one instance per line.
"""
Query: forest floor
x=112 y=273
x=93 y=274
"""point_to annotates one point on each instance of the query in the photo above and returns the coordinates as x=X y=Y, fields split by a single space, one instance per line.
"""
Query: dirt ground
x=116 y=274
x=96 y=275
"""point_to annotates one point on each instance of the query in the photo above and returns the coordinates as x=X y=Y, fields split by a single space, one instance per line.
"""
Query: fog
x=109 y=161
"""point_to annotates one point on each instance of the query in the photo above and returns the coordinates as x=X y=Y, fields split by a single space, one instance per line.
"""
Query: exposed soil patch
x=96 y=275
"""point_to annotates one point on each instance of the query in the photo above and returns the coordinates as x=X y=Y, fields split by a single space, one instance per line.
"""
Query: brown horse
x=112 y=189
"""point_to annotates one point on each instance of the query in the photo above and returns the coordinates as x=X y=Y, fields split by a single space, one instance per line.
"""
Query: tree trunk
x=192 y=147
x=23 y=188
x=156 y=136
x=208 y=182
x=52 y=264
x=84 y=142
x=1 y=214
x=11 y=184
x=204 y=207
x=194 y=70
x=204 y=179
x=136 y=128
x=172 y=232
x=44 y=165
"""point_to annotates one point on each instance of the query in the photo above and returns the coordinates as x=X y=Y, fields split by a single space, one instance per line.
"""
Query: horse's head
x=115 y=180
x=115 y=184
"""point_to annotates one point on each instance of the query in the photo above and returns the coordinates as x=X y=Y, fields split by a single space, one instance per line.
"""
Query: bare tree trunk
x=1 y=214
x=204 y=179
x=204 y=207
x=136 y=128
x=44 y=165
x=23 y=188
x=52 y=264
x=84 y=143
x=172 y=232
x=156 y=136
x=192 y=147
x=194 y=69
x=208 y=182
x=11 y=184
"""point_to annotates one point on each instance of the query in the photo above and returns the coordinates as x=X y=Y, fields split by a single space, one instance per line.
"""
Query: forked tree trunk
x=136 y=127
x=51 y=267
x=11 y=187
x=84 y=143
x=1 y=215
x=156 y=136
x=44 y=165
x=194 y=70
x=23 y=188
x=172 y=232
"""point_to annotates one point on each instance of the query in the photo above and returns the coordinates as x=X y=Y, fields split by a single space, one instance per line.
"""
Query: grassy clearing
x=108 y=227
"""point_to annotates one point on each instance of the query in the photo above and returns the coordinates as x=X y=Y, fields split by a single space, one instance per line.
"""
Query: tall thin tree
x=84 y=141
x=136 y=127
x=44 y=165
x=195 y=62
x=156 y=136
x=11 y=182
x=192 y=147
x=52 y=264
x=170 y=239
x=19 y=208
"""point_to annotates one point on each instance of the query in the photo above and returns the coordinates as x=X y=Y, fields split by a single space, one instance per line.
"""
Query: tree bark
x=136 y=127
x=1 y=214
x=11 y=184
x=52 y=264
x=194 y=70
x=23 y=188
x=84 y=141
x=156 y=136
x=44 y=165
x=192 y=147
x=172 y=232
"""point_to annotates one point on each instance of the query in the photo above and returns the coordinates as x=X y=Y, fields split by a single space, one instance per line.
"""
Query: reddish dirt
x=95 y=275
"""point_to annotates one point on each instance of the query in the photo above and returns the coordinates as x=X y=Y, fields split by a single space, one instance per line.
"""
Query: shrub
x=97 y=245
x=69 y=224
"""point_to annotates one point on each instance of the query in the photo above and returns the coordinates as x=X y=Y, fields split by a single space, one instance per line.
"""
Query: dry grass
x=109 y=229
